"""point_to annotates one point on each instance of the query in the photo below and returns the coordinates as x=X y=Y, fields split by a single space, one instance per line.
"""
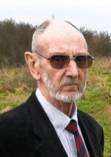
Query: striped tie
x=81 y=150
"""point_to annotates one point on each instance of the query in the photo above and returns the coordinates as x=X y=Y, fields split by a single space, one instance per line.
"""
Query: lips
x=70 y=87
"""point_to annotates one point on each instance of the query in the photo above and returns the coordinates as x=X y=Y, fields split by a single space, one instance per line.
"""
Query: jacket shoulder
x=18 y=115
x=89 y=120
x=13 y=118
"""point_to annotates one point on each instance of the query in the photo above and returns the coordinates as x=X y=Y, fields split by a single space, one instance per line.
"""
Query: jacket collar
x=88 y=137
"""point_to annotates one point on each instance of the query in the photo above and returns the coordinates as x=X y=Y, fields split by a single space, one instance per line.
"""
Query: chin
x=68 y=97
x=71 y=93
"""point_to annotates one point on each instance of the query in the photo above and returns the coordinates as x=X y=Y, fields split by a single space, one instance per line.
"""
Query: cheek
x=55 y=76
x=82 y=75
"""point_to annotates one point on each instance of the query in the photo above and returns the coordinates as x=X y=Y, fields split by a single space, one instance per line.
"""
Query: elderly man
x=49 y=123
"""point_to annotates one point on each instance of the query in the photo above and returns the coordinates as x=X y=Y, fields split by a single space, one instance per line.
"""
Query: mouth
x=70 y=87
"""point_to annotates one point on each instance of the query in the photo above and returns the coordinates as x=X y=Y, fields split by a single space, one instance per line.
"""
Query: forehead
x=62 y=37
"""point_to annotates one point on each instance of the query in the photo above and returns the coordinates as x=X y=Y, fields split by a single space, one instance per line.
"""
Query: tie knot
x=72 y=126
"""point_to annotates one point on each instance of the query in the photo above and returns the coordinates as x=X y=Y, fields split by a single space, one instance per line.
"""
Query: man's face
x=64 y=89
x=66 y=84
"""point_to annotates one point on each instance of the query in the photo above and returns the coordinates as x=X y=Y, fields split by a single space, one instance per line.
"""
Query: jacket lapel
x=88 y=137
x=47 y=142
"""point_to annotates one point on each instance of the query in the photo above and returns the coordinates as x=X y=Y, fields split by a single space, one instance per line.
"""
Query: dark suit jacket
x=27 y=132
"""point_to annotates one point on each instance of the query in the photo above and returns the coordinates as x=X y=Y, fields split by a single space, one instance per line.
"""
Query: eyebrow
x=58 y=53
x=66 y=53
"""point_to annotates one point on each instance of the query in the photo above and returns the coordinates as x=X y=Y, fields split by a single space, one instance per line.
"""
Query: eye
x=84 y=61
x=59 y=58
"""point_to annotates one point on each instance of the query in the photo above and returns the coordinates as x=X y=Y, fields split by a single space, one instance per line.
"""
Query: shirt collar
x=57 y=118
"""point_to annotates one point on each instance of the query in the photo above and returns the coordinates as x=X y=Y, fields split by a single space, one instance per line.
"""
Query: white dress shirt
x=59 y=121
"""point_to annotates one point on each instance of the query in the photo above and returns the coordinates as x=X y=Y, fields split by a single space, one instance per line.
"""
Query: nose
x=72 y=69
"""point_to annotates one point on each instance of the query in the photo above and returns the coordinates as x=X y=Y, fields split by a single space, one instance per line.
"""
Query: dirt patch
x=108 y=110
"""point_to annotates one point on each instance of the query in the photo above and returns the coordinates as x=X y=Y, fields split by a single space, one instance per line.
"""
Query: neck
x=66 y=108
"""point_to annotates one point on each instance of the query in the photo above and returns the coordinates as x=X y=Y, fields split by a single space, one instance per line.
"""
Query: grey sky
x=93 y=14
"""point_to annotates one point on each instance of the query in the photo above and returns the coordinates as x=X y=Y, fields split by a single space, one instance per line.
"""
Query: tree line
x=15 y=39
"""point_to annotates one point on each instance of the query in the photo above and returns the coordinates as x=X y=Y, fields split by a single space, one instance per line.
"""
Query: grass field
x=16 y=85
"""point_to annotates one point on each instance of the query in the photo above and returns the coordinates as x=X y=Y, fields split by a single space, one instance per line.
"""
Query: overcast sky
x=93 y=14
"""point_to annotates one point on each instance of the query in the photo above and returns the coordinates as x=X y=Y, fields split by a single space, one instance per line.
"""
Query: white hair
x=39 y=30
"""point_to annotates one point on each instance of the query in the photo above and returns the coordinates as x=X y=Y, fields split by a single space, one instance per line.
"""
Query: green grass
x=16 y=85
x=97 y=98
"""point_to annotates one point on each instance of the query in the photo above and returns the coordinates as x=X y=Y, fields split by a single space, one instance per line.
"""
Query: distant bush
x=99 y=43
x=15 y=39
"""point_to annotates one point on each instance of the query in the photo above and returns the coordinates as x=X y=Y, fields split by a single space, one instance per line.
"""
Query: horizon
x=81 y=27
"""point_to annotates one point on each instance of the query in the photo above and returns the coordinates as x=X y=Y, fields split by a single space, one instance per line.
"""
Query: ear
x=33 y=64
